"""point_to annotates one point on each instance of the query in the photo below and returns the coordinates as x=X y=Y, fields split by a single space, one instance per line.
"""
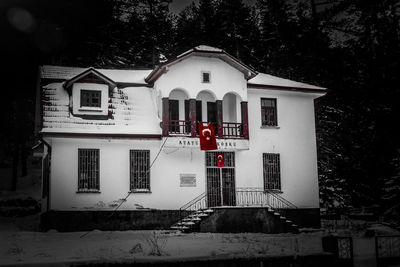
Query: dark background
x=348 y=46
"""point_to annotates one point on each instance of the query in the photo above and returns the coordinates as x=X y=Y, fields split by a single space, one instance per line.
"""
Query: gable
x=202 y=51
x=90 y=76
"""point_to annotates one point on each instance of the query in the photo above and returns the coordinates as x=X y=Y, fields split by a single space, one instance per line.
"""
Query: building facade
x=128 y=139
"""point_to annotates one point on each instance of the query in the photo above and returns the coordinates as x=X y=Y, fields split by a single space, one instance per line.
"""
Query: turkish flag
x=207 y=137
x=220 y=159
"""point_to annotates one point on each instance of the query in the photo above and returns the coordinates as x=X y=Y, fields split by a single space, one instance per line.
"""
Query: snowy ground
x=37 y=247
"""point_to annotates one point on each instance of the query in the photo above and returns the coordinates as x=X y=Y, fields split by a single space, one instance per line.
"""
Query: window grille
x=272 y=173
x=88 y=169
x=90 y=98
x=211 y=159
x=269 y=112
x=140 y=170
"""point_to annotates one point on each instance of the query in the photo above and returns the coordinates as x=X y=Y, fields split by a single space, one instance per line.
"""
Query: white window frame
x=83 y=110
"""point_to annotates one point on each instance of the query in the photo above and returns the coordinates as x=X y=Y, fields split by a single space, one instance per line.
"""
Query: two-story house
x=128 y=140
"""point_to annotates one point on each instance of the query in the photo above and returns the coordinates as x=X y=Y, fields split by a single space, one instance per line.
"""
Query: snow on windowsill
x=90 y=109
x=88 y=191
x=139 y=191
x=269 y=127
x=276 y=191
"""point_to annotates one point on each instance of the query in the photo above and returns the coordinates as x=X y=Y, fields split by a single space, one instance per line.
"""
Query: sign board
x=222 y=144
x=188 y=180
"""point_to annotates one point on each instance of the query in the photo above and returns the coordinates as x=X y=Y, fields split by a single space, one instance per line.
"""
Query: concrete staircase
x=191 y=222
x=273 y=206
x=291 y=226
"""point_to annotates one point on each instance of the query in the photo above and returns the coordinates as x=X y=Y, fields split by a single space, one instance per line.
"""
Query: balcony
x=182 y=114
x=184 y=128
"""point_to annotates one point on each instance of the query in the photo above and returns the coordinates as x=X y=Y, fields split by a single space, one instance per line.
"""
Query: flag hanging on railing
x=220 y=159
x=207 y=137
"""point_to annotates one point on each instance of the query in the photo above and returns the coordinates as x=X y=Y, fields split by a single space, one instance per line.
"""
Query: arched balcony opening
x=231 y=110
x=182 y=115
x=176 y=121
x=206 y=108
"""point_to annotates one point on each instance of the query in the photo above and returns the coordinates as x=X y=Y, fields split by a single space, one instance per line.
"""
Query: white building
x=109 y=133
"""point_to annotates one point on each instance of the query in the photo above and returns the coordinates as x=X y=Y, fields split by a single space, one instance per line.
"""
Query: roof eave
x=92 y=70
x=159 y=70
x=288 y=88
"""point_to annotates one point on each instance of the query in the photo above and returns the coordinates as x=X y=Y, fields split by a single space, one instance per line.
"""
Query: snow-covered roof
x=201 y=48
x=119 y=76
x=265 y=80
x=133 y=113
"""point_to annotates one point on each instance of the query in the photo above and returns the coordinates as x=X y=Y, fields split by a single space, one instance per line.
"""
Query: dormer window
x=206 y=77
x=91 y=98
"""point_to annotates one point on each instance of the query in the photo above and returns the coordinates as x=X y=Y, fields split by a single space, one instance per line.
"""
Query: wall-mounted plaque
x=188 y=180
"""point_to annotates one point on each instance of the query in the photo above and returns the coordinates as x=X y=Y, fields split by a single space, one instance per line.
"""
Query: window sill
x=139 y=191
x=276 y=191
x=269 y=127
x=88 y=109
x=88 y=191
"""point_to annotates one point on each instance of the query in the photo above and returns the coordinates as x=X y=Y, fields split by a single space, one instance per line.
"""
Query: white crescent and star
x=203 y=133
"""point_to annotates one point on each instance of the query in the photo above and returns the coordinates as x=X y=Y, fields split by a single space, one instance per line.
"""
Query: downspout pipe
x=48 y=189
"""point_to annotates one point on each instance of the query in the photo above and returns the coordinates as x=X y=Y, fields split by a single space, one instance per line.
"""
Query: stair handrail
x=286 y=202
x=266 y=198
x=193 y=202
x=271 y=198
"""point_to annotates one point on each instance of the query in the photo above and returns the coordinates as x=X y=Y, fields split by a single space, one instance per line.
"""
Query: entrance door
x=220 y=180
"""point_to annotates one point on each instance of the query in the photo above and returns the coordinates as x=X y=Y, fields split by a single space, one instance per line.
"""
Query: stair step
x=179 y=227
x=194 y=218
x=201 y=214
x=188 y=223
x=289 y=221
x=277 y=213
x=208 y=211
x=282 y=218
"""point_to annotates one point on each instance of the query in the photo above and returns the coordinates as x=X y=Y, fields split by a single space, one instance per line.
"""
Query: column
x=165 y=115
x=245 y=119
x=192 y=116
x=220 y=130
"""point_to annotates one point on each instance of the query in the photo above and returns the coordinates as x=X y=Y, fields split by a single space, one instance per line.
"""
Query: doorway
x=220 y=180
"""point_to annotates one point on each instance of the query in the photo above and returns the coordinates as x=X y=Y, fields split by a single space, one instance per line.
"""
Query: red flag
x=220 y=159
x=207 y=137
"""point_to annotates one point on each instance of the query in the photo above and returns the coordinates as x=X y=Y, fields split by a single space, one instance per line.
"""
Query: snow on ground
x=37 y=247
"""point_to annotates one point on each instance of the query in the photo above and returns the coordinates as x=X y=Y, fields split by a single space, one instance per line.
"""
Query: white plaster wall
x=166 y=192
x=294 y=139
x=188 y=75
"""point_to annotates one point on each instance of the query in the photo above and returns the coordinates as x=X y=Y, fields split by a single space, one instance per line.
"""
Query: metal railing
x=245 y=197
x=232 y=129
x=179 y=127
x=183 y=127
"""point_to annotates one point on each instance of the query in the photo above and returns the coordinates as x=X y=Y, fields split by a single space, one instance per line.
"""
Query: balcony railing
x=183 y=127
x=232 y=130
x=179 y=127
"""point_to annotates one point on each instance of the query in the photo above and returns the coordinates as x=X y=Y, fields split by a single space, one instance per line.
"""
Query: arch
x=178 y=94
x=231 y=107
x=240 y=99
x=205 y=94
